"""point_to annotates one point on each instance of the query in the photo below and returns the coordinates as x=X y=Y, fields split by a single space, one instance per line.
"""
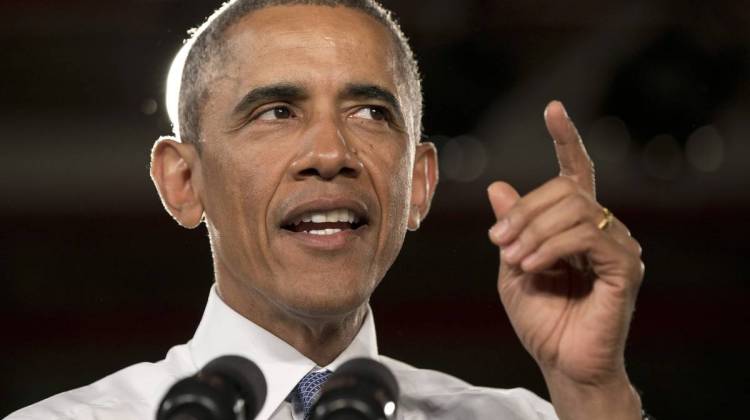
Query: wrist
x=614 y=399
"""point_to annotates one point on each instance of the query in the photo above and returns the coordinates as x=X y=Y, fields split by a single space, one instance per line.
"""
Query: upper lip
x=358 y=207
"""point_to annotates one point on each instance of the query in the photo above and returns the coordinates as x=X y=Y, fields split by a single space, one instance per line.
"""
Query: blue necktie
x=308 y=389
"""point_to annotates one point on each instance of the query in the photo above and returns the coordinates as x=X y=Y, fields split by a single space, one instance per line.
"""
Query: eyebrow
x=370 y=91
x=285 y=92
x=289 y=92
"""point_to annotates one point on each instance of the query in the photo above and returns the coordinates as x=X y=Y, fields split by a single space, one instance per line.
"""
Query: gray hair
x=187 y=85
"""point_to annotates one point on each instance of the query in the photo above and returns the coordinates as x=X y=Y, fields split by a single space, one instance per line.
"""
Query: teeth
x=336 y=215
x=332 y=216
x=324 y=231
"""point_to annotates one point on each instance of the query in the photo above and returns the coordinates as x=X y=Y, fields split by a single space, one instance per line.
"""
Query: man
x=299 y=147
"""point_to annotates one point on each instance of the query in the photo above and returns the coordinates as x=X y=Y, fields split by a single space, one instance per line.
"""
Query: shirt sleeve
x=428 y=394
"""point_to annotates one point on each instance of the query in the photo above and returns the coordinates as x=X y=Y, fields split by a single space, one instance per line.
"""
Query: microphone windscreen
x=245 y=375
x=373 y=371
x=360 y=389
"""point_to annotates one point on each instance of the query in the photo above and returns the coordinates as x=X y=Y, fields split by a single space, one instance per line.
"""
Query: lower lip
x=332 y=242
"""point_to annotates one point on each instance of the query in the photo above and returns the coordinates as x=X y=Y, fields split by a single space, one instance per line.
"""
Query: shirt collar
x=223 y=331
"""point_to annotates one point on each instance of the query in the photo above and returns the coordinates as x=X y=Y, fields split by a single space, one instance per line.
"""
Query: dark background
x=96 y=276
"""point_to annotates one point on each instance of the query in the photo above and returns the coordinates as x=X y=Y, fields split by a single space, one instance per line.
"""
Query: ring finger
x=563 y=215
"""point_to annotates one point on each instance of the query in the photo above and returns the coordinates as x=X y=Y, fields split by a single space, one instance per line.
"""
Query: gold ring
x=607 y=220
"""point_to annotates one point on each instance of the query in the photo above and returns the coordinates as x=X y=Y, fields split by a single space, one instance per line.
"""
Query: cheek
x=396 y=207
x=390 y=162
x=238 y=193
x=400 y=187
x=394 y=174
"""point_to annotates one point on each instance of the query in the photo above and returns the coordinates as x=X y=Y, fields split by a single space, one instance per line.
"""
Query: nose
x=325 y=154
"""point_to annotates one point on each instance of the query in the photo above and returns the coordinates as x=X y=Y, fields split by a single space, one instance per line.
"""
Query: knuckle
x=531 y=234
x=637 y=247
x=579 y=204
x=637 y=268
x=631 y=279
x=517 y=216
x=622 y=227
x=590 y=232
x=566 y=184
x=547 y=248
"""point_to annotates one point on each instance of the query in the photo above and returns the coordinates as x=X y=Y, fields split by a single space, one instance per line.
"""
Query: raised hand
x=568 y=279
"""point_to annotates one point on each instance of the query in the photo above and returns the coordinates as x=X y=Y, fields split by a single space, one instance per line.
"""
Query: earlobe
x=175 y=171
x=415 y=219
x=424 y=181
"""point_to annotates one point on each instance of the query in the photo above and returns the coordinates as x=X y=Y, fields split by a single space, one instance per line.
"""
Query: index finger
x=572 y=157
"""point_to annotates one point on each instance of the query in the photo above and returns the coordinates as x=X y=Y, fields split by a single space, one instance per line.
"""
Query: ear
x=424 y=181
x=175 y=170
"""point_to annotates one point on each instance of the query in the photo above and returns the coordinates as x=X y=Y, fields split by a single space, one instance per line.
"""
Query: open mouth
x=325 y=222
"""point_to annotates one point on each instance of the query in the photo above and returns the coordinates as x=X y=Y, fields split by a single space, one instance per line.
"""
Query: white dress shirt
x=134 y=393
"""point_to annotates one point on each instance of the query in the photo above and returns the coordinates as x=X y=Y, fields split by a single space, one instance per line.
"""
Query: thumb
x=502 y=198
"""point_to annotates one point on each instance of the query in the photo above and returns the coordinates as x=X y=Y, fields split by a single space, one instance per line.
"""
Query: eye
x=276 y=113
x=375 y=113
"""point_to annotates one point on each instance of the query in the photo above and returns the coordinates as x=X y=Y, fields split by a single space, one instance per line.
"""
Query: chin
x=329 y=299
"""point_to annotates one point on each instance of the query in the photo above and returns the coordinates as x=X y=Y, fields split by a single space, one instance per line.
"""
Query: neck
x=320 y=338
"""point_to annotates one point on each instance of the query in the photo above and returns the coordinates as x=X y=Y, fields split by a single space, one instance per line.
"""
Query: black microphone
x=360 y=389
x=227 y=388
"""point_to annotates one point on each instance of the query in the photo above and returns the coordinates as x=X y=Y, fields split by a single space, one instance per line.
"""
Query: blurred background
x=96 y=276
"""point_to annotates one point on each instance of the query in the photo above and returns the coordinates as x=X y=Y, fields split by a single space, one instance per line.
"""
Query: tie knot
x=308 y=389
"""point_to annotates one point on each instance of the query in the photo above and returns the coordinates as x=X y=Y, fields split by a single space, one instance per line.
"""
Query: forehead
x=320 y=45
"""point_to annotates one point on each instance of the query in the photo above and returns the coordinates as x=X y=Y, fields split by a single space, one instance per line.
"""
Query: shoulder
x=440 y=395
x=130 y=393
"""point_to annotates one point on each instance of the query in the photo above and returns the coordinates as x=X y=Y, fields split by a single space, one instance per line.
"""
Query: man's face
x=306 y=164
